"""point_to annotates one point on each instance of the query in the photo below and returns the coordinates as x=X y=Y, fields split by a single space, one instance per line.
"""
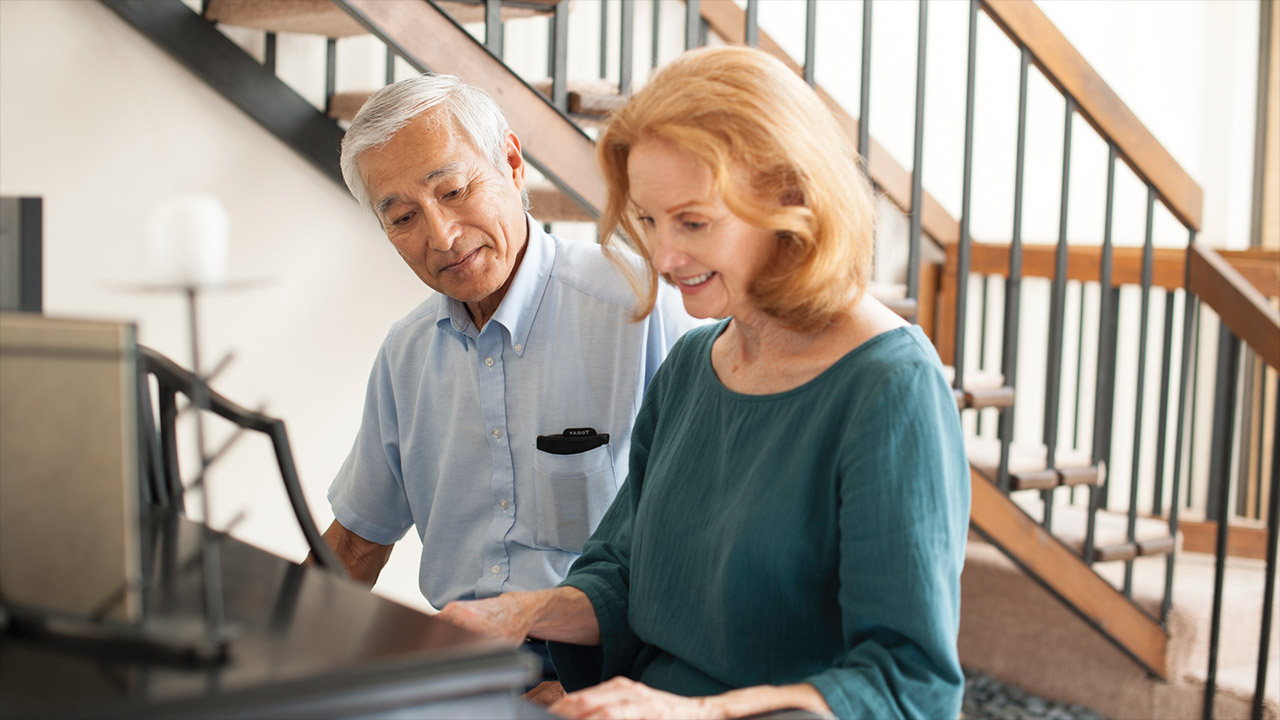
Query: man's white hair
x=470 y=109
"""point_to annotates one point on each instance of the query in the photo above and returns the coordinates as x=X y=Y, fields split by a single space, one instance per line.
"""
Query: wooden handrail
x=1066 y=68
x=425 y=33
x=1239 y=304
x=1261 y=268
x=1043 y=557
x=728 y=21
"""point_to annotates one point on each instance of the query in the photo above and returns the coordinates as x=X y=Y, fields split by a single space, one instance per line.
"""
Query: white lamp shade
x=188 y=241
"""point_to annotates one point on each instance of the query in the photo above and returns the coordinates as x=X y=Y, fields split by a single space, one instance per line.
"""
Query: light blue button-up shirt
x=447 y=443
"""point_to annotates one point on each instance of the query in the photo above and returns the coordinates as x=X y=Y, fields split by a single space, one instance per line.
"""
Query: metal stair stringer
x=1062 y=572
x=430 y=40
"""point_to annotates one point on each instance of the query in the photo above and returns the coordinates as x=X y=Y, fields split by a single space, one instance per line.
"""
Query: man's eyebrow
x=443 y=170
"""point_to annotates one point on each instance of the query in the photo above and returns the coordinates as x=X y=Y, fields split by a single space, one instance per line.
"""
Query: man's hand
x=545 y=693
x=504 y=617
x=624 y=699
x=364 y=560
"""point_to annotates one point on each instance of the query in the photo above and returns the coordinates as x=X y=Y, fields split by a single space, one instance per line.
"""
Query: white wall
x=101 y=123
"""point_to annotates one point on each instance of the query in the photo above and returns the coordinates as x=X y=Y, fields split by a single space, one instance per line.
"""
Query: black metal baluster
x=1246 y=432
x=810 y=36
x=1157 y=502
x=964 y=247
x=626 y=46
x=916 y=226
x=656 y=24
x=1104 y=388
x=692 y=24
x=1262 y=416
x=1057 y=315
x=1183 y=431
x=330 y=73
x=983 y=300
x=604 y=38
x=560 y=57
x=1195 y=401
x=493 y=35
x=1013 y=283
x=864 y=100
x=269 y=52
x=391 y=65
x=1075 y=426
x=1143 y=316
x=751 y=33
x=1269 y=594
x=1219 y=487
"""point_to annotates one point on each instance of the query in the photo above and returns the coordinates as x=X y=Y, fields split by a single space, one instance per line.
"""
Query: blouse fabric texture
x=815 y=535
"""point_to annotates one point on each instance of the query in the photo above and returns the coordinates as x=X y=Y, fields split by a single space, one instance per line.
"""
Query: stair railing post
x=1131 y=527
x=1269 y=578
x=604 y=38
x=269 y=52
x=1105 y=371
x=560 y=57
x=1183 y=430
x=626 y=45
x=810 y=38
x=1162 y=424
x=864 y=91
x=692 y=24
x=655 y=24
x=1057 y=315
x=751 y=28
x=917 y=158
x=330 y=73
x=493 y=34
x=1219 y=491
x=964 y=247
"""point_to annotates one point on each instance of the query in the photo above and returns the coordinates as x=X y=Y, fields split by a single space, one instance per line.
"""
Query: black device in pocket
x=572 y=441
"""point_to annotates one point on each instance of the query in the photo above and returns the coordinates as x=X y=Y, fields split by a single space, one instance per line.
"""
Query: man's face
x=456 y=220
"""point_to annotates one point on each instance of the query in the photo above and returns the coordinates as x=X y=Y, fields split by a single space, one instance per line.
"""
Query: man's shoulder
x=418 y=322
x=587 y=268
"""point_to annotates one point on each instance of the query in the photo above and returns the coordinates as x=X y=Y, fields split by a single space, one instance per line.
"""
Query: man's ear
x=515 y=159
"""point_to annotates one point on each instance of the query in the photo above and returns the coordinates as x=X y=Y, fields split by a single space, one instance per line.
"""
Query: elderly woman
x=792 y=529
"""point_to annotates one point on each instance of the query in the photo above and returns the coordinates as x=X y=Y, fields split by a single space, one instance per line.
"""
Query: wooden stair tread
x=547 y=204
x=592 y=98
x=343 y=106
x=1110 y=532
x=311 y=17
x=322 y=17
x=982 y=389
x=894 y=297
x=1027 y=469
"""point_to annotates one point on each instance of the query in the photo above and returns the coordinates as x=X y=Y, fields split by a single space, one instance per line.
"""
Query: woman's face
x=702 y=248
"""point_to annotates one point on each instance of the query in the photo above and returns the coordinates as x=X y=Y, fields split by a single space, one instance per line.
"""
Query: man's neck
x=483 y=310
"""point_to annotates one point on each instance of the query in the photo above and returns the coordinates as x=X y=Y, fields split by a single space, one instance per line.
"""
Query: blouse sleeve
x=903 y=518
x=603 y=571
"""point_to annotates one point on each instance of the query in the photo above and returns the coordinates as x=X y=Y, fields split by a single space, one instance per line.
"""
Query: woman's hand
x=563 y=614
x=624 y=699
x=504 y=617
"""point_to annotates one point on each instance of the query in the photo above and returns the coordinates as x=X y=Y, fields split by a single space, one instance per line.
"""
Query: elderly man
x=498 y=415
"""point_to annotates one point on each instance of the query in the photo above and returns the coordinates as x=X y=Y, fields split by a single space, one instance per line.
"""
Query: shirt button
x=488 y=361
x=504 y=504
x=497 y=433
x=518 y=347
x=495 y=569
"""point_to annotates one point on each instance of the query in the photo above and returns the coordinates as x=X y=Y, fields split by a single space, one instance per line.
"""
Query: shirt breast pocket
x=572 y=494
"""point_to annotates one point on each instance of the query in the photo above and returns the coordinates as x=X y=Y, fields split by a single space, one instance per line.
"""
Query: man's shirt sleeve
x=368 y=496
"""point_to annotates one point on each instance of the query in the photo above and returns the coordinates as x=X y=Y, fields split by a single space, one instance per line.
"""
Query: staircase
x=1051 y=564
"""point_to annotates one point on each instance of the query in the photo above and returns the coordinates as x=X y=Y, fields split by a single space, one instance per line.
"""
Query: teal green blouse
x=815 y=535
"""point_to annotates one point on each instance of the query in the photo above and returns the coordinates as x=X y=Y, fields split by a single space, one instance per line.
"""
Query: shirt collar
x=520 y=305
